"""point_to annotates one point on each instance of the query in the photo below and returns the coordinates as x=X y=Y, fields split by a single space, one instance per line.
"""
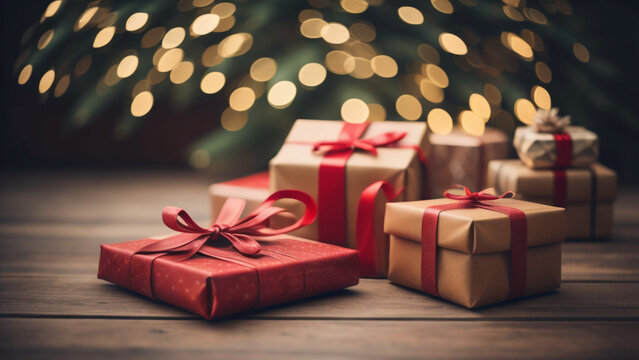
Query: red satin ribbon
x=242 y=234
x=366 y=225
x=563 y=146
x=518 y=237
x=332 y=175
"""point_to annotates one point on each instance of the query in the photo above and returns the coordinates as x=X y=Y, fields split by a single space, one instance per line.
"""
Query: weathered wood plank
x=378 y=299
x=189 y=339
x=74 y=249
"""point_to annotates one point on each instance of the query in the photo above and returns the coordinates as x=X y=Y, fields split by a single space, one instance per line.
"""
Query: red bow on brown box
x=232 y=266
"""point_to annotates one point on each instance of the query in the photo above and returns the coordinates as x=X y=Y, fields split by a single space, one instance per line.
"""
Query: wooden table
x=53 y=306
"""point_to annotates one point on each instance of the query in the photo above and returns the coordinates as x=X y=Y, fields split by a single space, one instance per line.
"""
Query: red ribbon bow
x=242 y=234
x=518 y=237
x=483 y=195
x=351 y=143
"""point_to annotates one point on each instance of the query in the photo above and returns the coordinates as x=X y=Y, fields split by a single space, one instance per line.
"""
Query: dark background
x=31 y=134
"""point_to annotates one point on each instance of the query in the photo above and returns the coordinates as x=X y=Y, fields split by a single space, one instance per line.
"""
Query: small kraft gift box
x=233 y=266
x=558 y=167
x=587 y=194
x=335 y=161
x=475 y=249
x=462 y=158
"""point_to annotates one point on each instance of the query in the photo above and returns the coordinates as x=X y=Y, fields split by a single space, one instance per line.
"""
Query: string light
x=182 y=72
x=86 y=16
x=127 y=66
x=223 y=10
x=443 y=6
x=354 y=6
x=541 y=97
x=170 y=59
x=335 y=33
x=384 y=66
x=205 y=24
x=173 y=38
x=242 y=99
x=480 y=106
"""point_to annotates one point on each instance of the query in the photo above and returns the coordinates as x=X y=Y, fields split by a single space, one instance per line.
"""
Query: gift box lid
x=458 y=137
x=476 y=230
x=304 y=133
x=539 y=183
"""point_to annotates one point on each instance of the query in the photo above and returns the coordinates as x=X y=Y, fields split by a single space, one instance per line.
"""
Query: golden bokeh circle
x=440 y=121
x=525 y=111
x=354 y=111
x=62 y=86
x=212 y=82
x=452 y=44
x=282 y=94
x=312 y=74
x=339 y=62
x=335 y=33
x=103 y=37
x=384 y=66
x=376 y=112
x=136 y=21
x=205 y=24
x=541 y=97
x=408 y=107
x=127 y=66
x=46 y=81
x=170 y=59
x=471 y=123
x=410 y=15
x=480 y=106
x=142 y=104
x=181 y=72
x=543 y=72
x=436 y=75
x=263 y=69
x=233 y=120
x=242 y=99
x=173 y=38
x=25 y=74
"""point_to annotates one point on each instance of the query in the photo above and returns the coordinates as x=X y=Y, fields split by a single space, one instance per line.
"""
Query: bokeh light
x=408 y=107
x=440 y=121
x=354 y=111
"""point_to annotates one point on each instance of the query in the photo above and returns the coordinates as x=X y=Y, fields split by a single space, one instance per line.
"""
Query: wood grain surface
x=53 y=306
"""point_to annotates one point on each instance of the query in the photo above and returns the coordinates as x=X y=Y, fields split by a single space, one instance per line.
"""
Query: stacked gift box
x=558 y=167
x=285 y=234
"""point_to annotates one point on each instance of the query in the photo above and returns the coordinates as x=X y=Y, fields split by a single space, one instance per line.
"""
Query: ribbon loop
x=242 y=234
x=483 y=195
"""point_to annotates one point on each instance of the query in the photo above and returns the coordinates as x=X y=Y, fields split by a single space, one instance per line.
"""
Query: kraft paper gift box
x=574 y=147
x=461 y=158
x=468 y=258
x=298 y=166
x=253 y=188
x=588 y=194
x=224 y=270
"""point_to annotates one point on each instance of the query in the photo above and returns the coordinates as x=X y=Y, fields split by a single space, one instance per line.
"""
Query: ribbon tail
x=366 y=226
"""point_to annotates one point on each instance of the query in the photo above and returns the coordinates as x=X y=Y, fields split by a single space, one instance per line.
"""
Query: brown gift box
x=296 y=166
x=583 y=201
x=538 y=150
x=461 y=158
x=473 y=258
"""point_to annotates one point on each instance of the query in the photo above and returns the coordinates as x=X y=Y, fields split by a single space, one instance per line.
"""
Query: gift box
x=253 y=188
x=461 y=158
x=232 y=266
x=587 y=193
x=335 y=162
x=575 y=146
x=475 y=250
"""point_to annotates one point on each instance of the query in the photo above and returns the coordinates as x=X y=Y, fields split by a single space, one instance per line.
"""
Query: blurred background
x=216 y=84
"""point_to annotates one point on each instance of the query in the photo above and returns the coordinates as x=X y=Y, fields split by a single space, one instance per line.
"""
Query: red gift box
x=232 y=266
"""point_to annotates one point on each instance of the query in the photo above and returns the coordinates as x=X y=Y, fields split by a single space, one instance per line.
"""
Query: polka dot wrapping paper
x=288 y=269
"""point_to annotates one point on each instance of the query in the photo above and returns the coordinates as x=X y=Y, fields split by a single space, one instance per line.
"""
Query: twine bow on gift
x=549 y=121
x=242 y=234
